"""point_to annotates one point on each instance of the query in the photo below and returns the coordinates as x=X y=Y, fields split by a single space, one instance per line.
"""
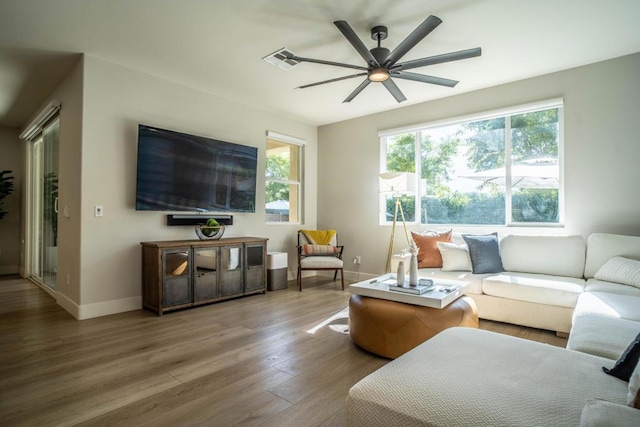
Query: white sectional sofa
x=544 y=277
x=470 y=377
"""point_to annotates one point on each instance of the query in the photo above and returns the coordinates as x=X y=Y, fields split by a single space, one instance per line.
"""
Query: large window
x=500 y=168
x=283 y=179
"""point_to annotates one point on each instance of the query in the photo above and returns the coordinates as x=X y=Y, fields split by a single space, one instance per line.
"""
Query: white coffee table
x=377 y=288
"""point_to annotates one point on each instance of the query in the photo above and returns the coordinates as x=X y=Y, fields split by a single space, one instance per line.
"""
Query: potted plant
x=212 y=230
x=6 y=188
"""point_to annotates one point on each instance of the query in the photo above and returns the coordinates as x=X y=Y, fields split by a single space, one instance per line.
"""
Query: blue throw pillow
x=484 y=253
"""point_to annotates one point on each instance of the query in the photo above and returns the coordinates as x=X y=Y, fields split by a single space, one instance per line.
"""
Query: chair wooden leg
x=335 y=275
x=300 y=278
x=341 y=277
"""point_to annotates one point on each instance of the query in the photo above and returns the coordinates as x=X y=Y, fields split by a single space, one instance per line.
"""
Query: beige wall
x=10 y=159
x=70 y=93
x=116 y=100
x=602 y=149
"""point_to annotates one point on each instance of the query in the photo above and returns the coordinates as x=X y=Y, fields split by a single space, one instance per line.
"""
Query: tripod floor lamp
x=397 y=184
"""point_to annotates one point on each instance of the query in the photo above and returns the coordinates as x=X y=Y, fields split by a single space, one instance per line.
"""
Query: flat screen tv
x=181 y=172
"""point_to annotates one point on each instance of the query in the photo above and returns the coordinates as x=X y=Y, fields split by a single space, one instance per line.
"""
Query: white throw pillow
x=454 y=257
x=620 y=270
x=634 y=385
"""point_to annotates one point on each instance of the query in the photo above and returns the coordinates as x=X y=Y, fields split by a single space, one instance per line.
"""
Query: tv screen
x=181 y=172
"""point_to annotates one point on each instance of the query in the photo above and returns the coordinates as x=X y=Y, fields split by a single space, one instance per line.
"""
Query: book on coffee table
x=425 y=285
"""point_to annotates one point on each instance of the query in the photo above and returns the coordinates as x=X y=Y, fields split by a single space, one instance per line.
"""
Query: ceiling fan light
x=378 y=75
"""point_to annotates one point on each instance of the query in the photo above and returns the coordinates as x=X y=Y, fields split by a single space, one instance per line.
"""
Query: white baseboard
x=68 y=304
x=88 y=311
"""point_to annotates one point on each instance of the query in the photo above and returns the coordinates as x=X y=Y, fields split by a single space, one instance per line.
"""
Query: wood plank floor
x=280 y=359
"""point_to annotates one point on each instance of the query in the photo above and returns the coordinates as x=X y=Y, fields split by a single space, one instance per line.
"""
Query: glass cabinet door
x=255 y=268
x=205 y=277
x=231 y=261
x=176 y=283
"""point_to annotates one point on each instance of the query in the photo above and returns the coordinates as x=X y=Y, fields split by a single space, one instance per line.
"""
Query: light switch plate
x=98 y=210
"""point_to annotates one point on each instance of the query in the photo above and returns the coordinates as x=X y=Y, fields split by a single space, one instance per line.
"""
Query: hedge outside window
x=498 y=168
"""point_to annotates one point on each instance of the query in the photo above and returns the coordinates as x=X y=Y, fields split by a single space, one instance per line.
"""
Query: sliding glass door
x=44 y=205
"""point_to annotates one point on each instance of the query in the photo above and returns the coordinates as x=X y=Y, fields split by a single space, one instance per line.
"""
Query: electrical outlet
x=357 y=260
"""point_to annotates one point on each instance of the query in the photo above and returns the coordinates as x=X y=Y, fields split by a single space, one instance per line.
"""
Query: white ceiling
x=217 y=46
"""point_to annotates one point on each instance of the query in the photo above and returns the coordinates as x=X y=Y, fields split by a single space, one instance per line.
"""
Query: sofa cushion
x=471 y=377
x=620 y=270
x=484 y=252
x=475 y=280
x=454 y=257
x=600 y=413
x=553 y=255
x=536 y=288
x=595 y=285
x=627 y=362
x=601 y=247
x=604 y=304
x=602 y=336
x=321 y=262
x=428 y=253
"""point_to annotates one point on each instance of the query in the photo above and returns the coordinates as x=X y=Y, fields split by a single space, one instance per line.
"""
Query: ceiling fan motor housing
x=380 y=54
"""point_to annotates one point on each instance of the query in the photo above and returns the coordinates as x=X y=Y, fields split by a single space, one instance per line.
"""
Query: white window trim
x=285 y=138
x=300 y=183
x=507 y=111
x=502 y=112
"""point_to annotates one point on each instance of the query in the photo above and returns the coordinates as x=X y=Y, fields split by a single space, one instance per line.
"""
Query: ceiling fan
x=383 y=64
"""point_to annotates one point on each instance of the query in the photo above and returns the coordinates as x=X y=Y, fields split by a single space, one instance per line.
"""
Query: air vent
x=282 y=58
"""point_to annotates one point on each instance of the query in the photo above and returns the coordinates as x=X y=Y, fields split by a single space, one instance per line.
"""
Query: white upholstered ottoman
x=471 y=377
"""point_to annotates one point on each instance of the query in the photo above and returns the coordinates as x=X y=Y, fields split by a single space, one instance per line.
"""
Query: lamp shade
x=397 y=183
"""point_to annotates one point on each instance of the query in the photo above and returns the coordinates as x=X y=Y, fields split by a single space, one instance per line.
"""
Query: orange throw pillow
x=428 y=252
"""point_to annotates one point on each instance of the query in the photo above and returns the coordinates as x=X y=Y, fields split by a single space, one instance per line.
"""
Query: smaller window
x=283 y=179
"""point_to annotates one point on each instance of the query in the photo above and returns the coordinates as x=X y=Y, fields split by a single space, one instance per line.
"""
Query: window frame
x=290 y=140
x=506 y=113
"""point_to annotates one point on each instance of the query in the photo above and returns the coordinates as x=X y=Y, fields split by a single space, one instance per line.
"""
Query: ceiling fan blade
x=413 y=39
x=438 y=59
x=394 y=90
x=331 y=80
x=321 y=61
x=425 y=79
x=359 y=89
x=355 y=41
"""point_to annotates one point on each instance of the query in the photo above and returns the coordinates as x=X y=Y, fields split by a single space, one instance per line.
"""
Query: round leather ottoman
x=390 y=328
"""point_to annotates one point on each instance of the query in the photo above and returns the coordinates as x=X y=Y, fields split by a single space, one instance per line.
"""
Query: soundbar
x=197 y=219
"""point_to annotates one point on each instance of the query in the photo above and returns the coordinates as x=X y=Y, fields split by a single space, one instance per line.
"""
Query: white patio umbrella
x=278 y=205
x=535 y=173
